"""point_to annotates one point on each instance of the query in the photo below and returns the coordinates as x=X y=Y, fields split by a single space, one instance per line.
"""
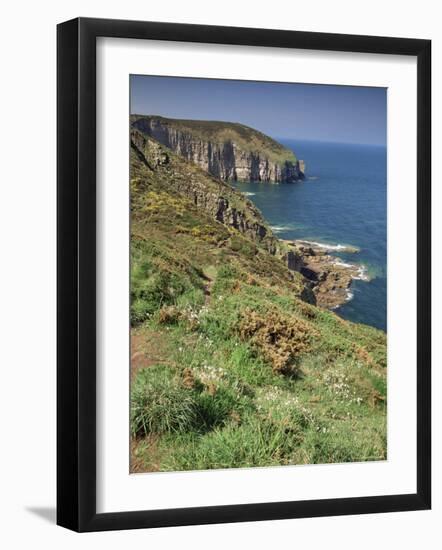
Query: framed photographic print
x=243 y=274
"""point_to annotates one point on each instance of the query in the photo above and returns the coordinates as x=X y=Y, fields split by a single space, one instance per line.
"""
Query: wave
x=343 y=264
x=349 y=294
x=337 y=247
x=362 y=271
x=281 y=228
x=248 y=193
x=363 y=274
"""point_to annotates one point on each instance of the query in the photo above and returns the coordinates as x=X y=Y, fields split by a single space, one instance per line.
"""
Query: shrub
x=306 y=310
x=169 y=315
x=159 y=403
x=212 y=234
x=279 y=338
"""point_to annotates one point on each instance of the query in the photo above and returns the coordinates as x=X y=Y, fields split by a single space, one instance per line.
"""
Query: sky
x=346 y=114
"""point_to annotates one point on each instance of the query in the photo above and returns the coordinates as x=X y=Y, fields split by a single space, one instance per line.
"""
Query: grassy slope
x=230 y=367
x=248 y=139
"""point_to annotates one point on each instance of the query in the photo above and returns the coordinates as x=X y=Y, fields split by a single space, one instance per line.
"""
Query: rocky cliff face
x=228 y=151
x=213 y=196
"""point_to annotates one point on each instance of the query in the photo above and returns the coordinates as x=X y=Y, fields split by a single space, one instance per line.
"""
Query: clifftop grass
x=246 y=138
x=230 y=366
x=154 y=168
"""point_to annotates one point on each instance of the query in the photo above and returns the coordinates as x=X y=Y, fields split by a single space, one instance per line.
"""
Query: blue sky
x=282 y=110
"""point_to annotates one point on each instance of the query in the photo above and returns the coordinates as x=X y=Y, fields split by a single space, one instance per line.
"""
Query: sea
x=342 y=202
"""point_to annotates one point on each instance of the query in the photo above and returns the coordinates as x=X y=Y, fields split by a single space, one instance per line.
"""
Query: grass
x=255 y=443
x=246 y=138
x=247 y=373
x=160 y=404
x=251 y=414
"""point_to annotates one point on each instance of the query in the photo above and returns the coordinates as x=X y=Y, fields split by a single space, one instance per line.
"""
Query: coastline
x=329 y=276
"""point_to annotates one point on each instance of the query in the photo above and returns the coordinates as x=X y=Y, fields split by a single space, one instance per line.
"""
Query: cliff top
x=162 y=170
x=246 y=138
x=230 y=366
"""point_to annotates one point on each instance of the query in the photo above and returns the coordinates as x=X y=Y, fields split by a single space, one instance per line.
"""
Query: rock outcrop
x=327 y=278
x=228 y=151
x=218 y=199
x=330 y=278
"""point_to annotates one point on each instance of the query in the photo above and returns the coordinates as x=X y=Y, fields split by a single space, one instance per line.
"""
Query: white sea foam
x=280 y=228
x=326 y=246
x=248 y=193
x=343 y=264
x=348 y=296
x=362 y=274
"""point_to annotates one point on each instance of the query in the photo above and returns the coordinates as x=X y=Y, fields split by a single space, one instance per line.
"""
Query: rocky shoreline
x=330 y=277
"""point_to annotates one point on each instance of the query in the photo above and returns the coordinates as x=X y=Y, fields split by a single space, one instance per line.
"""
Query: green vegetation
x=233 y=367
x=248 y=139
x=160 y=403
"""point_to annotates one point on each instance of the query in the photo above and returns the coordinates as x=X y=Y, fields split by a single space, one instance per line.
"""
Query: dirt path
x=209 y=281
x=146 y=349
x=208 y=291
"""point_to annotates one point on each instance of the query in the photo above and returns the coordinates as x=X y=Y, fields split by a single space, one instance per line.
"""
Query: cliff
x=230 y=367
x=327 y=278
x=229 y=151
x=170 y=172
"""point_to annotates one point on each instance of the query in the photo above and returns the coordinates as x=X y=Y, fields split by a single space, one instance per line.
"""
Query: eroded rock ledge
x=228 y=151
x=329 y=276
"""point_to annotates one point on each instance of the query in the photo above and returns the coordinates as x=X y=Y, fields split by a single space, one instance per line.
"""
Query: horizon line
x=315 y=140
x=276 y=138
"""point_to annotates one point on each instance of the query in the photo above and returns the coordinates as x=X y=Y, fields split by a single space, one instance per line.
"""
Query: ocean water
x=341 y=202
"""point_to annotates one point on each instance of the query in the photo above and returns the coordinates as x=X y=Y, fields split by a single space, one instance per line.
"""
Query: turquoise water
x=342 y=201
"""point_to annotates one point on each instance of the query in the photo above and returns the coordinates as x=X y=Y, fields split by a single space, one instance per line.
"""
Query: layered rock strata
x=330 y=277
x=228 y=151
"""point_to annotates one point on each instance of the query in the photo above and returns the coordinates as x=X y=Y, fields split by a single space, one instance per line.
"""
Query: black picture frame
x=77 y=287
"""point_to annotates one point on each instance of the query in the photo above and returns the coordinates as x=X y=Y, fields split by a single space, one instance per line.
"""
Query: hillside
x=229 y=151
x=231 y=366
